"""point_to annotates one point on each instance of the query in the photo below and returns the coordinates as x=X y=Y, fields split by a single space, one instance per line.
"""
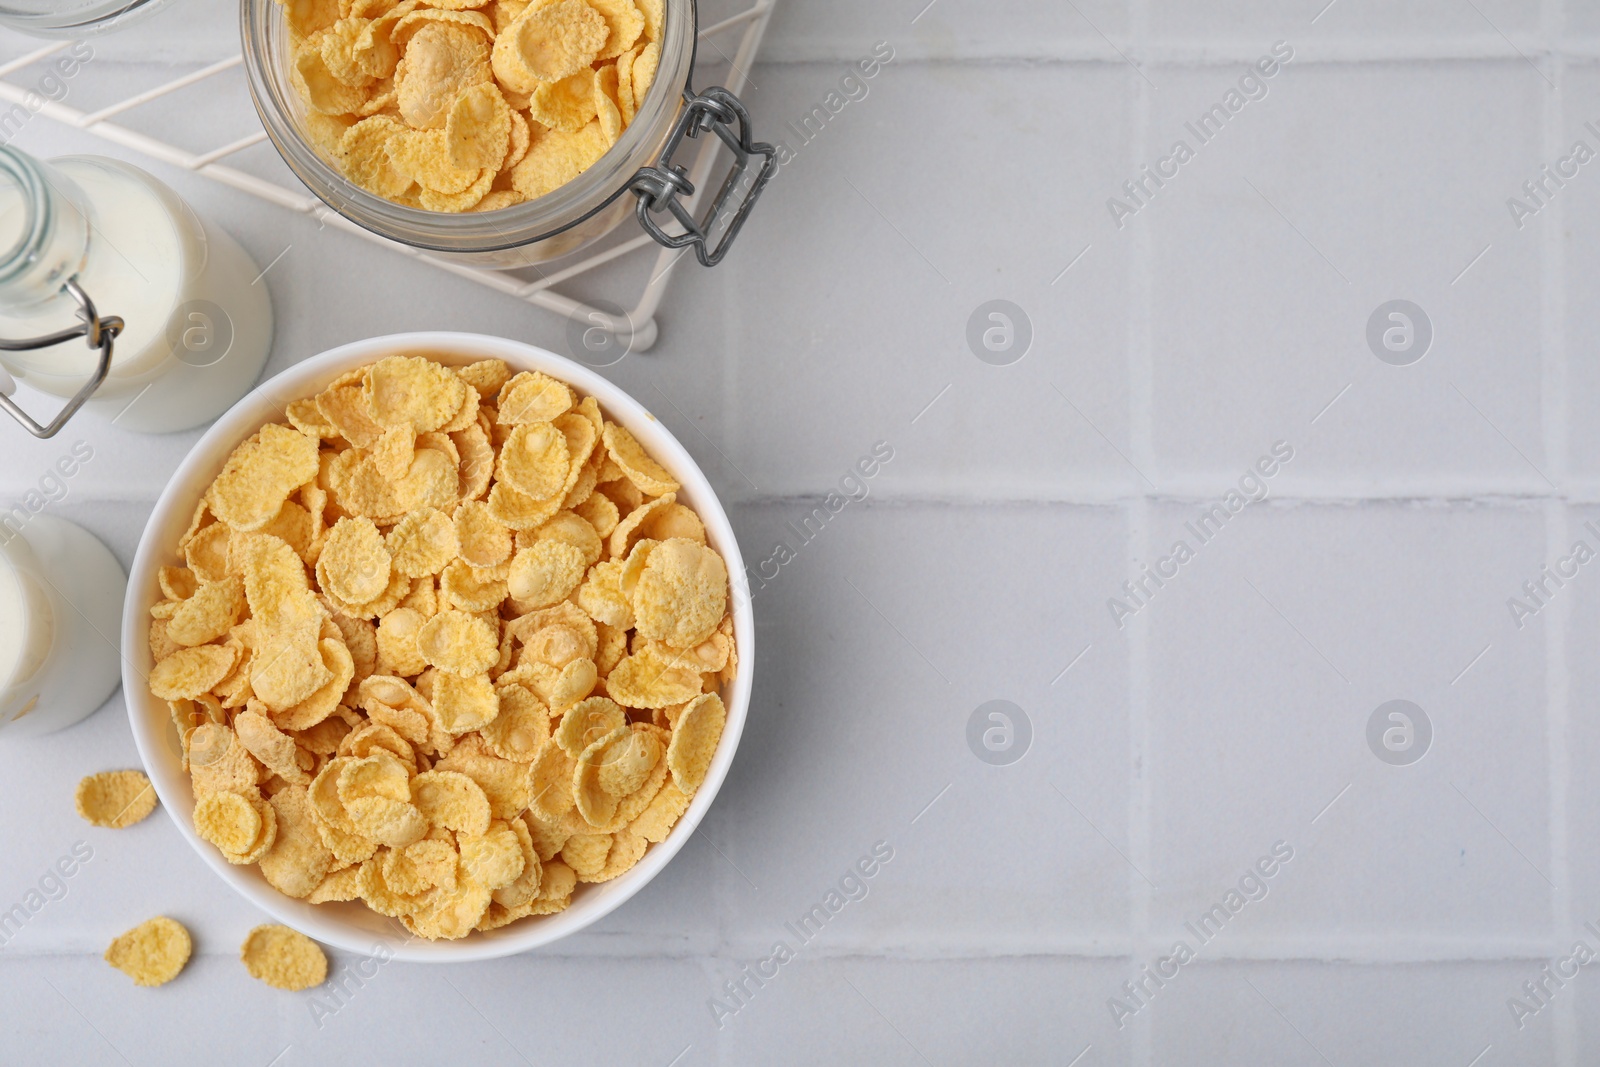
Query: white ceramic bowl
x=352 y=926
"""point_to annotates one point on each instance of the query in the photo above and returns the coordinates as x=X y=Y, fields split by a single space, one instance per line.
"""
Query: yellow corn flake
x=521 y=728
x=532 y=396
x=465 y=704
x=624 y=21
x=440 y=60
x=518 y=510
x=548 y=42
x=344 y=404
x=586 y=854
x=283 y=958
x=644 y=70
x=607 y=110
x=534 y=460
x=363 y=153
x=354 y=566
x=567 y=105
x=329 y=675
x=472 y=589
x=636 y=463
x=115 y=799
x=395 y=823
x=398 y=653
x=152 y=953
x=492 y=860
x=189 y=672
x=651 y=679
x=626 y=764
x=320 y=87
x=557 y=157
x=545 y=573
x=477 y=130
x=451 y=800
x=483 y=540
x=555 y=889
x=587 y=723
x=339 y=886
x=599 y=512
x=177 y=583
x=569 y=528
x=261 y=474
x=217 y=762
x=298 y=862
x=507 y=784
x=694 y=741
x=270 y=746
x=665 y=809
x=414 y=392
x=242 y=827
x=594 y=802
x=422 y=543
x=655 y=17
x=680 y=594
x=459 y=643
x=626 y=850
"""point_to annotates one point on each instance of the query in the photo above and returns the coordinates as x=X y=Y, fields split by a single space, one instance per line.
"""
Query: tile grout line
x=1553 y=361
x=1141 y=442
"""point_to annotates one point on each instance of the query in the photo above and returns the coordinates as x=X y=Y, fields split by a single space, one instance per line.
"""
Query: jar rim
x=265 y=37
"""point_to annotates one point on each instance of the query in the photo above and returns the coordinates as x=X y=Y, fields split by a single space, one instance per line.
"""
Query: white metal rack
x=637 y=322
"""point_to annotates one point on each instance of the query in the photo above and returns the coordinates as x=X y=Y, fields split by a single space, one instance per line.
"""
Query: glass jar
x=187 y=327
x=61 y=594
x=72 y=18
x=636 y=176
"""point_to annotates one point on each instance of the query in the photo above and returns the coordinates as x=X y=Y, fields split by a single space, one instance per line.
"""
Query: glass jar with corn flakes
x=500 y=133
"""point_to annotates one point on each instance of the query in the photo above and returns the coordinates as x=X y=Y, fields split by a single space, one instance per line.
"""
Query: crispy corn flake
x=190 y=672
x=298 y=862
x=440 y=59
x=451 y=800
x=624 y=21
x=283 y=958
x=465 y=704
x=681 y=593
x=354 y=567
x=547 y=42
x=478 y=128
x=261 y=474
x=694 y=741
x=567 y=105
x=459 y=643
x=545 y=573
x=557 y=157
x=152 y=953
x=115 y=799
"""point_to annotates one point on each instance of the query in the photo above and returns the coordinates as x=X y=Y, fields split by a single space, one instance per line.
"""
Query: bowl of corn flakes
x=437 y=645
x=503 y=132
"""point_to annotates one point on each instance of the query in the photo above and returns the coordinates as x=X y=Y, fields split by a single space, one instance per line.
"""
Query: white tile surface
x=1167 y=756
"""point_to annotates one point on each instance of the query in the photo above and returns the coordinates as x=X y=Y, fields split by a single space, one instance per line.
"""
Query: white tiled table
x=1229 y=713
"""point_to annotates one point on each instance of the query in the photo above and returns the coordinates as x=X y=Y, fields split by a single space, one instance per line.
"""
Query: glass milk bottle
x=61 y=594
x=181 y=323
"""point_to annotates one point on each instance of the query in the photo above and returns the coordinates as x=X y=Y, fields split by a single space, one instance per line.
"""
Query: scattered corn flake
x=115 y=799
x=152 y=953
x=283 y=958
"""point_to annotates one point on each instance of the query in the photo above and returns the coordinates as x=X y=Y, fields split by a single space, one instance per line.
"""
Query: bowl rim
x=151 y=722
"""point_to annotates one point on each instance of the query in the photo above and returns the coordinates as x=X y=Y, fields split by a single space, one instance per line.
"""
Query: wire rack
x=635 y=324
